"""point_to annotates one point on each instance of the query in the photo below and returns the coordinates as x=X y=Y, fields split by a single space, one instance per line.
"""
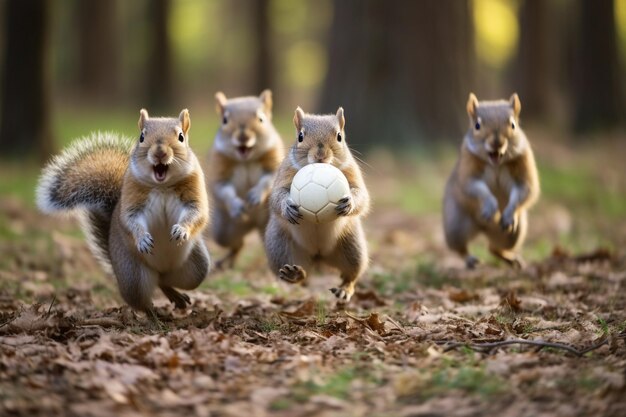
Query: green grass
x=338 y=384
x=576 y=186
x=468 y=377
x=228 y=283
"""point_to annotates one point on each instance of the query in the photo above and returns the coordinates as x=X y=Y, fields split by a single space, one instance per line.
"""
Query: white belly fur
x=318 y=239
x=163 y=211
x=245 y=176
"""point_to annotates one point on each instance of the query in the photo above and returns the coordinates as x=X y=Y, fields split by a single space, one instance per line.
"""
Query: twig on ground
x=363 y=322
x=487 y=347
x=54 y=298
x=395 y=323
x=102 y=322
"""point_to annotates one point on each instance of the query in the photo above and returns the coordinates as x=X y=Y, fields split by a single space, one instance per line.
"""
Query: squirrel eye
x=477 y=126
x=300 y=136
x=512 y=125
x=224 y=120
x=141 y=138
x=261 y=119
x=338 y=136
x=181 y=137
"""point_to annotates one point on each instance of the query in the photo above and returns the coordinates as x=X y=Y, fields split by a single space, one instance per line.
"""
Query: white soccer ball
x=317 y=189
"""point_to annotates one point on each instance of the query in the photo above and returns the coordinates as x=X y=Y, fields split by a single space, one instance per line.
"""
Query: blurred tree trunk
x=262 y=66
x=402 y=73
x=25 y=114
x=597 y=90
x=158 y=71
x=534 y=69
x=98 y=59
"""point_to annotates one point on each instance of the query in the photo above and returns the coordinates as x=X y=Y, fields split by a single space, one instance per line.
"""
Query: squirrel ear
x=516 y=105
x=220 y=102
x=297 y=118
x=340 y=118
x=472 y=105
x=266 y=99
x=185 y=121
x=143 y=116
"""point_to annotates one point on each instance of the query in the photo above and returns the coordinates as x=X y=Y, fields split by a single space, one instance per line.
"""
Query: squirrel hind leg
x=191 y=274
x=180 y=300
x=135 y=280
x=137 y=285
x=471 y=262
x=292 y=274
x=351 y=258
x=228 y=261
x=514 y=260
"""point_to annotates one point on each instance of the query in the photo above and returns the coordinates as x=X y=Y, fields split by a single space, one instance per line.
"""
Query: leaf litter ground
x=422 y=336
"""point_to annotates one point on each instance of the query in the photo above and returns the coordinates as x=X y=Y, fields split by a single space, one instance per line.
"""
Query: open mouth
x=160 y=172
x=495 y=157
x=243 y=151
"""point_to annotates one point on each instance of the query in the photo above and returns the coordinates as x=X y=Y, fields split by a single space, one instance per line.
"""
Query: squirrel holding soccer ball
x=143 y=207
x=494 y=183
x=246 y=154
x=293 y=244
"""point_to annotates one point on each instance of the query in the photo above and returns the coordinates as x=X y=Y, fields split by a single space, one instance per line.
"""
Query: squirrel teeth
x=160 y=172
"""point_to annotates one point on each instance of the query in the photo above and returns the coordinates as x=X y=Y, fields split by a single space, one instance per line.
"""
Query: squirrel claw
x=237 y=208
x=255 y=197
x=179 y=233
x=341 y=294
x=345 y=206
x=488 y=211
x=179 y=299
x=146 y=244
x=292 y=213
x=292 y=274
x=508 y=224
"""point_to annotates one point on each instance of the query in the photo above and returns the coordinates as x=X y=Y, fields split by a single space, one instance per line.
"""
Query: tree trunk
x=25 y=114
x=262 y=67
x=97 y=49
x=533 y=68
x=401 y=73
x=159 y=88
x=597 y=89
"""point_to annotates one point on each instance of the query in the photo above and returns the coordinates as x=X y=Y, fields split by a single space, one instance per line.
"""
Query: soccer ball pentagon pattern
x=317 y=189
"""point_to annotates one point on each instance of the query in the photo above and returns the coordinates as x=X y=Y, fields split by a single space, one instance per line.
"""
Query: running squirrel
x=143 y=208
x=293 y=245
x=246 y=154
x=494 y=183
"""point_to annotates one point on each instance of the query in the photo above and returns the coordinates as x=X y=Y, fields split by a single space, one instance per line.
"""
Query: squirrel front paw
x=145 y=244
x=179 y=233
x=489 y=209
x=345 y=206
x=509 y=222
x=256 y=196
x=236 y=207
x=291 y=212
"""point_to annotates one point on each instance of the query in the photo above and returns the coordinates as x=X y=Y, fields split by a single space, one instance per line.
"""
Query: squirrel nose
x=160 y=154
x=243 y=138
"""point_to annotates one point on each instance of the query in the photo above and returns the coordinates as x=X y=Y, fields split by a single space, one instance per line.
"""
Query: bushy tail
x=86 y=178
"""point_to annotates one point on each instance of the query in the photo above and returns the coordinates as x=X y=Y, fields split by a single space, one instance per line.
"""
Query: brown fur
x=493 y=183
x=294 y=245
x=246 y=153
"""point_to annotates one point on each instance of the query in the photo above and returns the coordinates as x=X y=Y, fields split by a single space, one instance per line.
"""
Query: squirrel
x=245 y=156
x=143 y=208
x=293 y=246
x=493 y=184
